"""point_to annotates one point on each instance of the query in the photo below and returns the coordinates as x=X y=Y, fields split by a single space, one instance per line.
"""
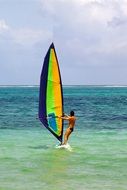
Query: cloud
x=89 y=35
x=28 y=36
x=3 y=26
x=87 y=30
x=118 y=21
x=24 y=36
x=21 y=51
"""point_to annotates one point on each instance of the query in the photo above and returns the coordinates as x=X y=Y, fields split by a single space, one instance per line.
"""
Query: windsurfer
x=71 y=119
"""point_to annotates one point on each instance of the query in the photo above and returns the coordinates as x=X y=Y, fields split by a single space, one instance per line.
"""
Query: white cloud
x=88 y=29
x=88 y=34
x=124 y=7
x=24 y=36
x=28 y=36
x=3 y=26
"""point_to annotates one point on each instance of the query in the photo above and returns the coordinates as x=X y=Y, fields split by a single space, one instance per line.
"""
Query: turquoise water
x=28 y=158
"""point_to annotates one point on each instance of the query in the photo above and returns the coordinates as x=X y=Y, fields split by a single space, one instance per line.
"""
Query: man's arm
x=65 y=117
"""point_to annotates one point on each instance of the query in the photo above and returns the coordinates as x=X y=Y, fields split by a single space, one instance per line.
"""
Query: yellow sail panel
x=57 y=90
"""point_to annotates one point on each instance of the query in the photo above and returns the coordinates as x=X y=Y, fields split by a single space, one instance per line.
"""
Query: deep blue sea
x=29 y=159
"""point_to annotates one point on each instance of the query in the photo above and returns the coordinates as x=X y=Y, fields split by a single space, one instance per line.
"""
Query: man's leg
x=66 y=136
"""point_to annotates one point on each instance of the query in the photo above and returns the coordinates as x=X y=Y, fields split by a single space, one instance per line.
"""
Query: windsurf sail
x=51 y=95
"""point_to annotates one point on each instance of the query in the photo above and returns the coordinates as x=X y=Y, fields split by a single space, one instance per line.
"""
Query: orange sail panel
x=51 y=95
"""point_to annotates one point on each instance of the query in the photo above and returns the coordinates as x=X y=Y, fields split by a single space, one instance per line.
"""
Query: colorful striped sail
x=51 y=95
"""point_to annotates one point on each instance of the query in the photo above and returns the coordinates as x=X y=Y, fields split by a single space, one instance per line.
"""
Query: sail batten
x=51 y=94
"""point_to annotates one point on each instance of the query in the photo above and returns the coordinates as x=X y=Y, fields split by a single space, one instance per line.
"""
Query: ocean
x=98 y=160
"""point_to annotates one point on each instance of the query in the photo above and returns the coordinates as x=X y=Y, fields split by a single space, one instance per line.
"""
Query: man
x=71 y=119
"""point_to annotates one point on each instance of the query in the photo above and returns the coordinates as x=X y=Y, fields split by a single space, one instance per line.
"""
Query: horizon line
x=37 y=85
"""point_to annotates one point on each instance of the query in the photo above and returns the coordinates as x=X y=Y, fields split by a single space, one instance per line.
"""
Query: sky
x=90 y=38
